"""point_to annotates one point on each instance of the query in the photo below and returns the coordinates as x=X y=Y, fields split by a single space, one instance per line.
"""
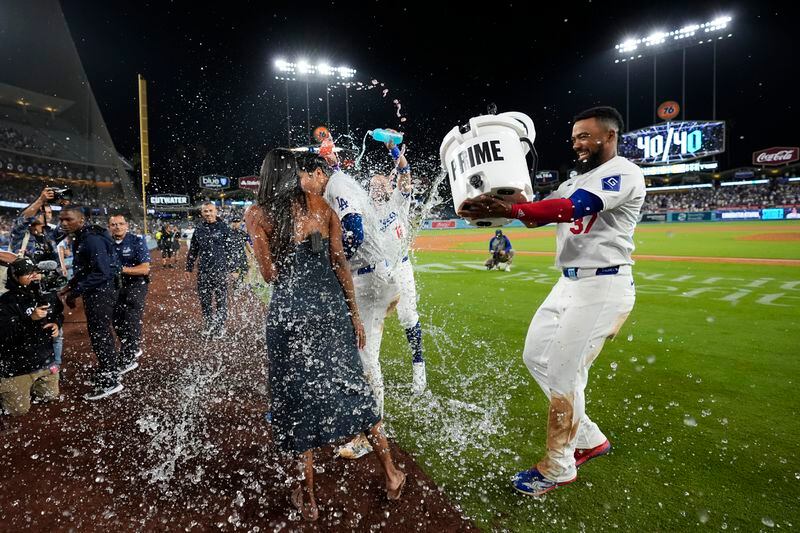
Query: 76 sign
x=668 y=110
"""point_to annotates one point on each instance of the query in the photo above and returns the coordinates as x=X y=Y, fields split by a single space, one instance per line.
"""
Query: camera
x=61 y=193
x=52 y=281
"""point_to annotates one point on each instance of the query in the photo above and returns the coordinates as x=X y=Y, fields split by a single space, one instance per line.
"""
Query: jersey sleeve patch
x=611 y=183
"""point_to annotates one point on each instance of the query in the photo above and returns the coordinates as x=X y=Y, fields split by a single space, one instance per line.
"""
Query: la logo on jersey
x=611 y=183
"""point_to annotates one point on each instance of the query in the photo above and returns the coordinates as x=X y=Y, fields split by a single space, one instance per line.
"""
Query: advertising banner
x=777 y=155
x=169 y=200
x=700 y=216
x=249 y=183
x=654 y=217
x=215 y=182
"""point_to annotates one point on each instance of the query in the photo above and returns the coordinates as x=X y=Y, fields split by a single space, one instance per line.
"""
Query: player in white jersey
x=596 y=212
x=375 y=289
x=393 y=205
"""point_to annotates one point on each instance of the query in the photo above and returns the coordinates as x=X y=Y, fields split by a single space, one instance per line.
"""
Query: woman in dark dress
x=319 y=393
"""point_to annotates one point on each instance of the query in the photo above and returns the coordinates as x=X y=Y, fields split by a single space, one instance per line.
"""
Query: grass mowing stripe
x=697 y=394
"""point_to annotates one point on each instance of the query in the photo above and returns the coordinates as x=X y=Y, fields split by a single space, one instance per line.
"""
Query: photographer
x=95 y=268
x=29 y=323
x=133 y=255
x=32 y=234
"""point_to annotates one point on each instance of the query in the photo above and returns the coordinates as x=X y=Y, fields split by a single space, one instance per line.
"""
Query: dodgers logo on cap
x=611 y=183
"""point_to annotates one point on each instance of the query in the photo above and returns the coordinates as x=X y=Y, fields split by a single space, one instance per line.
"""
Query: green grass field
x=698 y=393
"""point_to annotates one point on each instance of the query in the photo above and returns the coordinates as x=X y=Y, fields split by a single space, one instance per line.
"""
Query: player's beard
x=590 y=163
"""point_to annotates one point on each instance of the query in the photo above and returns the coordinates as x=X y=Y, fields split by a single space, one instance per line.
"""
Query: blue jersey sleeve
x=352 y=233
x=585 y=203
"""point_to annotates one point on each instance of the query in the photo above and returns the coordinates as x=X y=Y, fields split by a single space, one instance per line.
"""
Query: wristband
x=395 y=153
x=405 y=170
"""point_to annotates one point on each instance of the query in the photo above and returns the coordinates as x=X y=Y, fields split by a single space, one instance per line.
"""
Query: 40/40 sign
x=672 y=142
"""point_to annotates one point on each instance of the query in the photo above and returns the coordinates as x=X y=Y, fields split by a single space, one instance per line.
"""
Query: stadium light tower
x=304 y=71
x=633 y=48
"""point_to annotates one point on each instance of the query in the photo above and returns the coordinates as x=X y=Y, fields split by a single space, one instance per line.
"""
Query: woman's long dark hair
x=278 y=191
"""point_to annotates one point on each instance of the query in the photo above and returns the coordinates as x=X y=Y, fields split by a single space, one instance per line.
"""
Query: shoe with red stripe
x=585 y=454
x=533 y=483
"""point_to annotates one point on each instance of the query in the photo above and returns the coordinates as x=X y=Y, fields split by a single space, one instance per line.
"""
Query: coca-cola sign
x=777 y=155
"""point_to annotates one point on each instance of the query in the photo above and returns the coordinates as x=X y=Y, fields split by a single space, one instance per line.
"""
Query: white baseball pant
x=565 y=336
x=375 y=295
x=407 y=306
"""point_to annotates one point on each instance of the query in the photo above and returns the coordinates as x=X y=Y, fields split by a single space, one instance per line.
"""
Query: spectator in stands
x=732 y=197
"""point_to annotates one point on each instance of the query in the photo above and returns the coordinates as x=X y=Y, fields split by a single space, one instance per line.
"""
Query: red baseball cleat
x=583 y=455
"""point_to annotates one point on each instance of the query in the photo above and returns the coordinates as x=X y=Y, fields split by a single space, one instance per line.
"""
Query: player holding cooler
x=393 y=205
x=596 y=212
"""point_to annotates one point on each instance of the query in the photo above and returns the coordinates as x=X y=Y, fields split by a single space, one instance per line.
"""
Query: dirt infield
x=184 y=447
x=788 y=236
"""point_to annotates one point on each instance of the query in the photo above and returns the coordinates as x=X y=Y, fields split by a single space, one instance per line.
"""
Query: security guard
x=134 y=257
x=95 y=268
x=211 y=248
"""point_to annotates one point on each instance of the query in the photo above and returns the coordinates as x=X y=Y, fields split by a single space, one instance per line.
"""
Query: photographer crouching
x=30 y=320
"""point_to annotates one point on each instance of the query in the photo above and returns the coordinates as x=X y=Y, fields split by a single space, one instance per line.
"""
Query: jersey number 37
x=577 y=229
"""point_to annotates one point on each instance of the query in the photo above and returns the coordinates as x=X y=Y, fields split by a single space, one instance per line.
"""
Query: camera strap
x=24 y=246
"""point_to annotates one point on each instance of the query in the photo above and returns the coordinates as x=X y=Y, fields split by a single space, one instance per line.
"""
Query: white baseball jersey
x=392 y=222
x=604 y=239
x=346 y=196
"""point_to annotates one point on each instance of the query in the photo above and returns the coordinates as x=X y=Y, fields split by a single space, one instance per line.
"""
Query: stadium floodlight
x=666 y=41
x=660 y=41
x=304 y=68
x=303 y=71
x=655 y=38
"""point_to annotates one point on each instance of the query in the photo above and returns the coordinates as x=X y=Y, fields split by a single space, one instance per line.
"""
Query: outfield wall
x=731 y=215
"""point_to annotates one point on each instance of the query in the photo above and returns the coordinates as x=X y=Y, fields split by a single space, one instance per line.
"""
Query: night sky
x=216 y=108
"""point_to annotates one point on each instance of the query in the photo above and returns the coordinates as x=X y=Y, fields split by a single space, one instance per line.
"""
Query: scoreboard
x=672 y=142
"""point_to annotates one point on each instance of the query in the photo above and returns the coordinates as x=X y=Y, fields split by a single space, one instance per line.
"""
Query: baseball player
x=376 y=291
x=501 y=252
x=392 y=206
x=596 y=212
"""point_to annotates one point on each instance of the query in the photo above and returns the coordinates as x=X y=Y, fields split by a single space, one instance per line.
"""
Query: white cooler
x=489 y=158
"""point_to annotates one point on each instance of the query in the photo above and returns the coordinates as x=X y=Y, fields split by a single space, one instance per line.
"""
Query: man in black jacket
x=211 y=248
x=95 y=271
x=29 y=321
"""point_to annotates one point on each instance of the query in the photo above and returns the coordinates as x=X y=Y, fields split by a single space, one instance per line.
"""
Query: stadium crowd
x=739 y=196
x=12 y=138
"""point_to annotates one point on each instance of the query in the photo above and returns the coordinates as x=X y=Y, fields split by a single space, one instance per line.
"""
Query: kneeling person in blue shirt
x=134 y=257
